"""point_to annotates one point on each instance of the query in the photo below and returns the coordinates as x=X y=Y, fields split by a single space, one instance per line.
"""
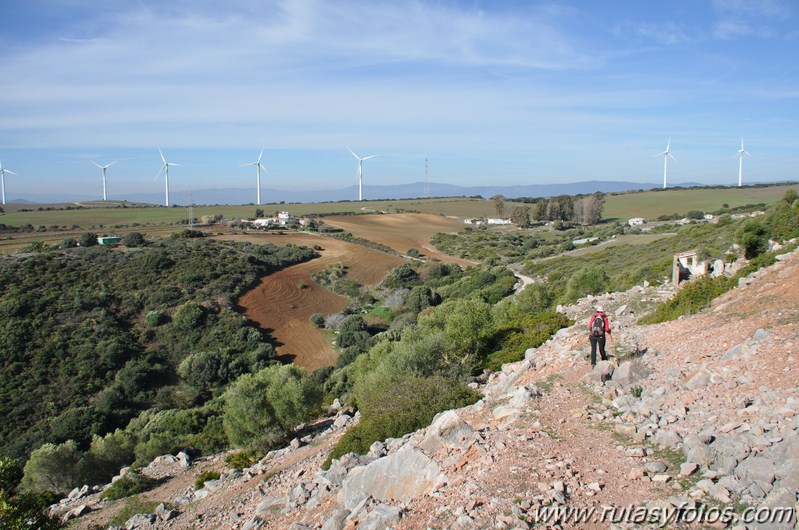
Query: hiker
x=598 y=325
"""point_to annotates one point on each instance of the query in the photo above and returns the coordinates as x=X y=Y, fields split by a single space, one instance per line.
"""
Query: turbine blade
x=159 y=172
x=261 y=155
x=9 y=171
x=353 y=153
x=162 y=155
x=173 y=164
x=112 y=163
x=96 y=164
x=672 y=157
x=368 y=157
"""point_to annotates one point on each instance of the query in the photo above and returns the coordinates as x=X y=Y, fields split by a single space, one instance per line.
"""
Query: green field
x=651 y=204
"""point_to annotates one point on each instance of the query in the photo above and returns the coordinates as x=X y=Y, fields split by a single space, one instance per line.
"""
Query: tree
x=588 y=210
x=134 y=239
x=52 y=468
x=259 y=213
x=87 y=239
x=520 y=216
x=261 y=409
x=499 y=204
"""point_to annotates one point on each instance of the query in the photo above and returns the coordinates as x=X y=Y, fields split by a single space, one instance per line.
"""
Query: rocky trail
x=691 y=423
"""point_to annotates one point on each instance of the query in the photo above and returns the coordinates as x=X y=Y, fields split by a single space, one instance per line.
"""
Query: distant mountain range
x=373 y=192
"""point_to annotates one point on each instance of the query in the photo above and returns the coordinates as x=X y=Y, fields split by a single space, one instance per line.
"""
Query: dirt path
x=283 y=302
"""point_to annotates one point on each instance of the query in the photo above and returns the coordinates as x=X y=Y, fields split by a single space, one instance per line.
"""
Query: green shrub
x=10 y=475
x=153 y=319
x=318 y=320
x=753 y=236
x=261 y=409
x=690 y=299
x=400 y=407
x=591 y=279
x=27 y=511
x=199 y=482
x=133 y=506
x=515 y=337
x=52 y=468
x=133 y=239
x=240 y=459
x=130 y=484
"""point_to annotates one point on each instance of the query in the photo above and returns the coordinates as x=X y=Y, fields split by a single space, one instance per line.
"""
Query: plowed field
x=283 y=308
x=402 y=231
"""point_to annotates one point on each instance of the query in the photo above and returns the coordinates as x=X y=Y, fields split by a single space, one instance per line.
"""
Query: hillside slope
x=705 y=417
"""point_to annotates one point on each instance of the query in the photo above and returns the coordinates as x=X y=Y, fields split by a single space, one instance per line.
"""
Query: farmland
x=284 y=301
x=651 y=204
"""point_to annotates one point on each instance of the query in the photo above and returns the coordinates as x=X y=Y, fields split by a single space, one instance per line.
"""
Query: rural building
x=473 y=221
x=584 y=241
x=109 y=240
x=636 y=221
x=686 y=266
x=497 y=221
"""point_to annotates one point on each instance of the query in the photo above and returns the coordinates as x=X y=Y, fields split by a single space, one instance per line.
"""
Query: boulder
x=140 y=521
x=699 y=379
x=336 y=520
x=602 y=372
x=253 y=524
x=381 y=517
x=756 y=469
x=447 y=430
x=629 y=373
x=400 y=476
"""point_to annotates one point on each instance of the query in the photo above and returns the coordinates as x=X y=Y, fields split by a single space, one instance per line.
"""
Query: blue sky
x=489 y=91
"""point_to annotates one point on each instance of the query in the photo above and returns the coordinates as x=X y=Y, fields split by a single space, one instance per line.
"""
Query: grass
x=548 y=383
x=133 y=506
x=651 y=204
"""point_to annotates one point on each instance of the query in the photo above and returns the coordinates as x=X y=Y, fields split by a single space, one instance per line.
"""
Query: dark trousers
x=600 y=341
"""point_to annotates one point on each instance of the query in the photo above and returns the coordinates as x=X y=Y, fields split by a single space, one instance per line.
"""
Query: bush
x=318 y=320
x=52 y=468
x=10 y=475
x=199 y=482
x=240 y=459
x=514 y=338
x=401 y=407
x=261 y=409
x=753 y=236
x=130 y=484
x=133 y=239
x=691 y=299
x=87 y=239
x=27 y=511
x=591 y=279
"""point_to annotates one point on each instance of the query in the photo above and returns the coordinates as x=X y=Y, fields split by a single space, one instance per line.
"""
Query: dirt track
x=283 y=309
x=402 y=232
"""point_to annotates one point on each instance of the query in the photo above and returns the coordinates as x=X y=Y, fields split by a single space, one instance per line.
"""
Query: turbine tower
x=740 y=155
x=3 y=172
x=360 y=172
x=258 y=168
x=165 y=169
x=103 y=168
x=666 y=154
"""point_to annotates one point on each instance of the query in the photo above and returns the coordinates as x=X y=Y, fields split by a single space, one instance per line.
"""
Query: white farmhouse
x=636 y=221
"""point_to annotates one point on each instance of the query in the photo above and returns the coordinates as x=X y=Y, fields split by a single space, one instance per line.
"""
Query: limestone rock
x=381 y=517
x=629 y=373
x=447 y=430
x=603 y=371
x=336 y=520
x=400 y=476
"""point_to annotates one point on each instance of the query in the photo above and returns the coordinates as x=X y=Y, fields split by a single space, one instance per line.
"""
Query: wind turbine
x=103 y=168
x=740 y=155
x=258 y=168
x=666 y=154
x=165 y=169
x=3 y=172
x=360 y=171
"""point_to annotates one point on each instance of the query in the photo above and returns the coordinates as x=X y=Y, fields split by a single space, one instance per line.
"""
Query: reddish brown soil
x=402 y=232
x=283 y=308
